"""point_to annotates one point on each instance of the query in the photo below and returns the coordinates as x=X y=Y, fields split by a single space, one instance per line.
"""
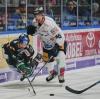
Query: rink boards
x=83 y=50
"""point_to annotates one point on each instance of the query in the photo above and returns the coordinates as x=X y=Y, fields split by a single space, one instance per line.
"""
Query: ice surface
x=77 y=79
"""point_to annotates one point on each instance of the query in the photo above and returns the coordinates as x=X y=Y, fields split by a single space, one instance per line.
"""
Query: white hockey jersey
x=49 y=33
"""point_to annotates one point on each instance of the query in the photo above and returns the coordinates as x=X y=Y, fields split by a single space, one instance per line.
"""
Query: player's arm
x=35 y=61
x=60 y=39
x=9 y=47
x=26 y=54
x=9 y=53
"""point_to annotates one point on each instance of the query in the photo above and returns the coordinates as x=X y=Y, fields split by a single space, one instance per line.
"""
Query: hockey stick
x=31 y=86
x=41 y=69
x=80 y=91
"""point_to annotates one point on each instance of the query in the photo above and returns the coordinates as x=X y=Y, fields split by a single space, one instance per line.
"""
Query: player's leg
x=61 y=66
x=47 y=54
x=51 y=71
x=24 y=69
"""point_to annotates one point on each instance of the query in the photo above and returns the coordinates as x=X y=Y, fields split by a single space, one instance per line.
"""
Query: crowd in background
x=67 y=13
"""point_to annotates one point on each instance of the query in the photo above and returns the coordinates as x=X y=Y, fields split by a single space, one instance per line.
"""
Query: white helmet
x=38 y=10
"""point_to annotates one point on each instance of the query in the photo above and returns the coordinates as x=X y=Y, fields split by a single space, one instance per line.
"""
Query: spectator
x=95 y=13
x=83 y=2
x=17 y=18
x=54 y=2
x=95 y=8
x=2 y=18
x=40 y=2
x=70 y=12
x=84 y=8
x=22 y=3
x=49 y=10
x=17 y=14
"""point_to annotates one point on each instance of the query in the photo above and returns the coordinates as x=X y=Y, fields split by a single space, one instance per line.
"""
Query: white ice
x=77 y=79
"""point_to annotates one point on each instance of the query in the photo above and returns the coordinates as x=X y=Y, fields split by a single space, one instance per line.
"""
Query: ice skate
x=61 y=79
x=22 y=78
x=51 y=76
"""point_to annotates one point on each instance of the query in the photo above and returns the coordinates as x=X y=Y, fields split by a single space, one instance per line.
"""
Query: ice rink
x=77 y=79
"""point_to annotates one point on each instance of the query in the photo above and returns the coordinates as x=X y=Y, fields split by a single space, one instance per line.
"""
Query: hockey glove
x=31 y=29
x=34 y=62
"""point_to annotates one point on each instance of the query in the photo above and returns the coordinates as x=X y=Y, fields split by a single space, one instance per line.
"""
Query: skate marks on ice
x=13 y=91
x=23 y=85
x=76 y=80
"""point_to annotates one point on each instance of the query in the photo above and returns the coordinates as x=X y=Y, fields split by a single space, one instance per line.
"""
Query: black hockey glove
x=38 y=57
x=34 y=62
x=31 y=29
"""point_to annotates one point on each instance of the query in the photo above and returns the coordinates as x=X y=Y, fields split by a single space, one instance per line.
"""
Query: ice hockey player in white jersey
x=53 y=43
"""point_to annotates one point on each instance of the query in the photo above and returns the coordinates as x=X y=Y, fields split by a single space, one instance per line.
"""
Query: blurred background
x=17 y=14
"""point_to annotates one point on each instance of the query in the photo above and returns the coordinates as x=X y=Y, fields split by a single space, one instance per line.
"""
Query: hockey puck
x=51 y=94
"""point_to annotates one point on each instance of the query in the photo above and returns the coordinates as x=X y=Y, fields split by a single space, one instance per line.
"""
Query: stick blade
x=81 y=91
x=72 y=90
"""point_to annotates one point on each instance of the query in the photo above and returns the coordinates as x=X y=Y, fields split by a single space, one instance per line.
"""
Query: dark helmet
x=38 y=10
x=24 y=39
